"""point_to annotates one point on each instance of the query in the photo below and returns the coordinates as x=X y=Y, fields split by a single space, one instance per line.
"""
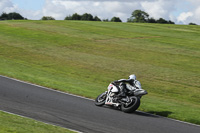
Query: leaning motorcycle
x=127 y=104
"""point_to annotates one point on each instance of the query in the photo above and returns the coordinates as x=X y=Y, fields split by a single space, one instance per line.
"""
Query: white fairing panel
x=114 y=89
x=138 y=85
x=110 y=87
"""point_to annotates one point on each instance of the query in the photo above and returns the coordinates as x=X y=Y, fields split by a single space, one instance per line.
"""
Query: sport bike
x=127 y=104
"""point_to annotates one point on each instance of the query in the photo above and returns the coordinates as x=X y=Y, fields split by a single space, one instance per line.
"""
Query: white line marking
x=92 y=99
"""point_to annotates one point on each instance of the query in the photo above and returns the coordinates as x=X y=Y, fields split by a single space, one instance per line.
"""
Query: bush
x=47 y=18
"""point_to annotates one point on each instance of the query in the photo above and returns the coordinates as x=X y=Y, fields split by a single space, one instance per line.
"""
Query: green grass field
x=15 y=124
x=83 y=57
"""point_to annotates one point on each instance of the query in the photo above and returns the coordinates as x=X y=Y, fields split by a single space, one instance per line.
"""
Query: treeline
x=89 y=17
x=137 y=16
x=84 y=17
x=11 y=16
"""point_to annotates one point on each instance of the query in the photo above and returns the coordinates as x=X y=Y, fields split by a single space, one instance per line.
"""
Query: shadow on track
x=161 y=113
x=154 y=114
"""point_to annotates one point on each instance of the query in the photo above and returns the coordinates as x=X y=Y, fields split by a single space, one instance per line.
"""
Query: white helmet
x=132 y=76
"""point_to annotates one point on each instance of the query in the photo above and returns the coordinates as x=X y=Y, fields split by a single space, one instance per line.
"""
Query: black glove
x=116 y=81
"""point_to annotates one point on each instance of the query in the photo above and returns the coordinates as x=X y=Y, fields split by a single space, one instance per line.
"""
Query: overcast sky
x=179 y=11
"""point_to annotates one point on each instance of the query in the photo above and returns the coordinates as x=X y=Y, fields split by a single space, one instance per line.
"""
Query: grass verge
x=15 y=124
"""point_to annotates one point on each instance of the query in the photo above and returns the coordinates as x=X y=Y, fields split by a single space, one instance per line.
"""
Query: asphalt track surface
x=80 y=114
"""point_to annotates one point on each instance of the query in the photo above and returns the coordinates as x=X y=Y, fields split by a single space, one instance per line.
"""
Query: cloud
x=108 y=0
x=194 y=18
x=183 y=17
x=59 y=9
x=196 y=14
x=192 y=13
x=7 y=6
x=159 y=9
x=109 y=8
x=53 y=9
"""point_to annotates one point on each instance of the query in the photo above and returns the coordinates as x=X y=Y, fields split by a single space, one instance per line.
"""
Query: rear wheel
x=101 y=99
x=132 y=105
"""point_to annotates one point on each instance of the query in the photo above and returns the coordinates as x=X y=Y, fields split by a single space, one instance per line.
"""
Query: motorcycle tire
x=131 y=107
x=101 y=99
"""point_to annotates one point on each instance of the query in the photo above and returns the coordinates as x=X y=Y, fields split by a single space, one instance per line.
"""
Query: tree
x=4 y=16
x=192 y=24
x=97 y=18
x=130 y=19
x=68 y=17
x=140 y=16
x=170 y=22
x=162 y=21
x=105 y=20
x=14 y=15
x=11 y=16
x=152 y=20
x=115 y=19
x=87 y=17
x=47 y=18
x=76 y=16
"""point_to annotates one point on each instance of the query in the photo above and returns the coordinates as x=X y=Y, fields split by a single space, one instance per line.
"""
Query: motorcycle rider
x=123 y=87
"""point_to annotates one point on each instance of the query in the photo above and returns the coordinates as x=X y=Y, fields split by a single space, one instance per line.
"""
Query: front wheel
x=132 y=105
x=101 y=99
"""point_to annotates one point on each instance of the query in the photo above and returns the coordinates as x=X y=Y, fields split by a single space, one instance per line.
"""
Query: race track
x=80 y=114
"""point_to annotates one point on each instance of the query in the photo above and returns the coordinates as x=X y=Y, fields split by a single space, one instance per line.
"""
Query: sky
x=178 y=11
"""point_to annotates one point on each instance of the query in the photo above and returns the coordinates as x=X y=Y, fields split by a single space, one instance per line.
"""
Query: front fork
x=109 y=100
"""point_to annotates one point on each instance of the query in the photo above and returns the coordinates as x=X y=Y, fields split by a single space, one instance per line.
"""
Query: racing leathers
x=124 y=84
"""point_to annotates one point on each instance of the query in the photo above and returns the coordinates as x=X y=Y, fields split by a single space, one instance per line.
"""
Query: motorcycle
x=127 y=104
